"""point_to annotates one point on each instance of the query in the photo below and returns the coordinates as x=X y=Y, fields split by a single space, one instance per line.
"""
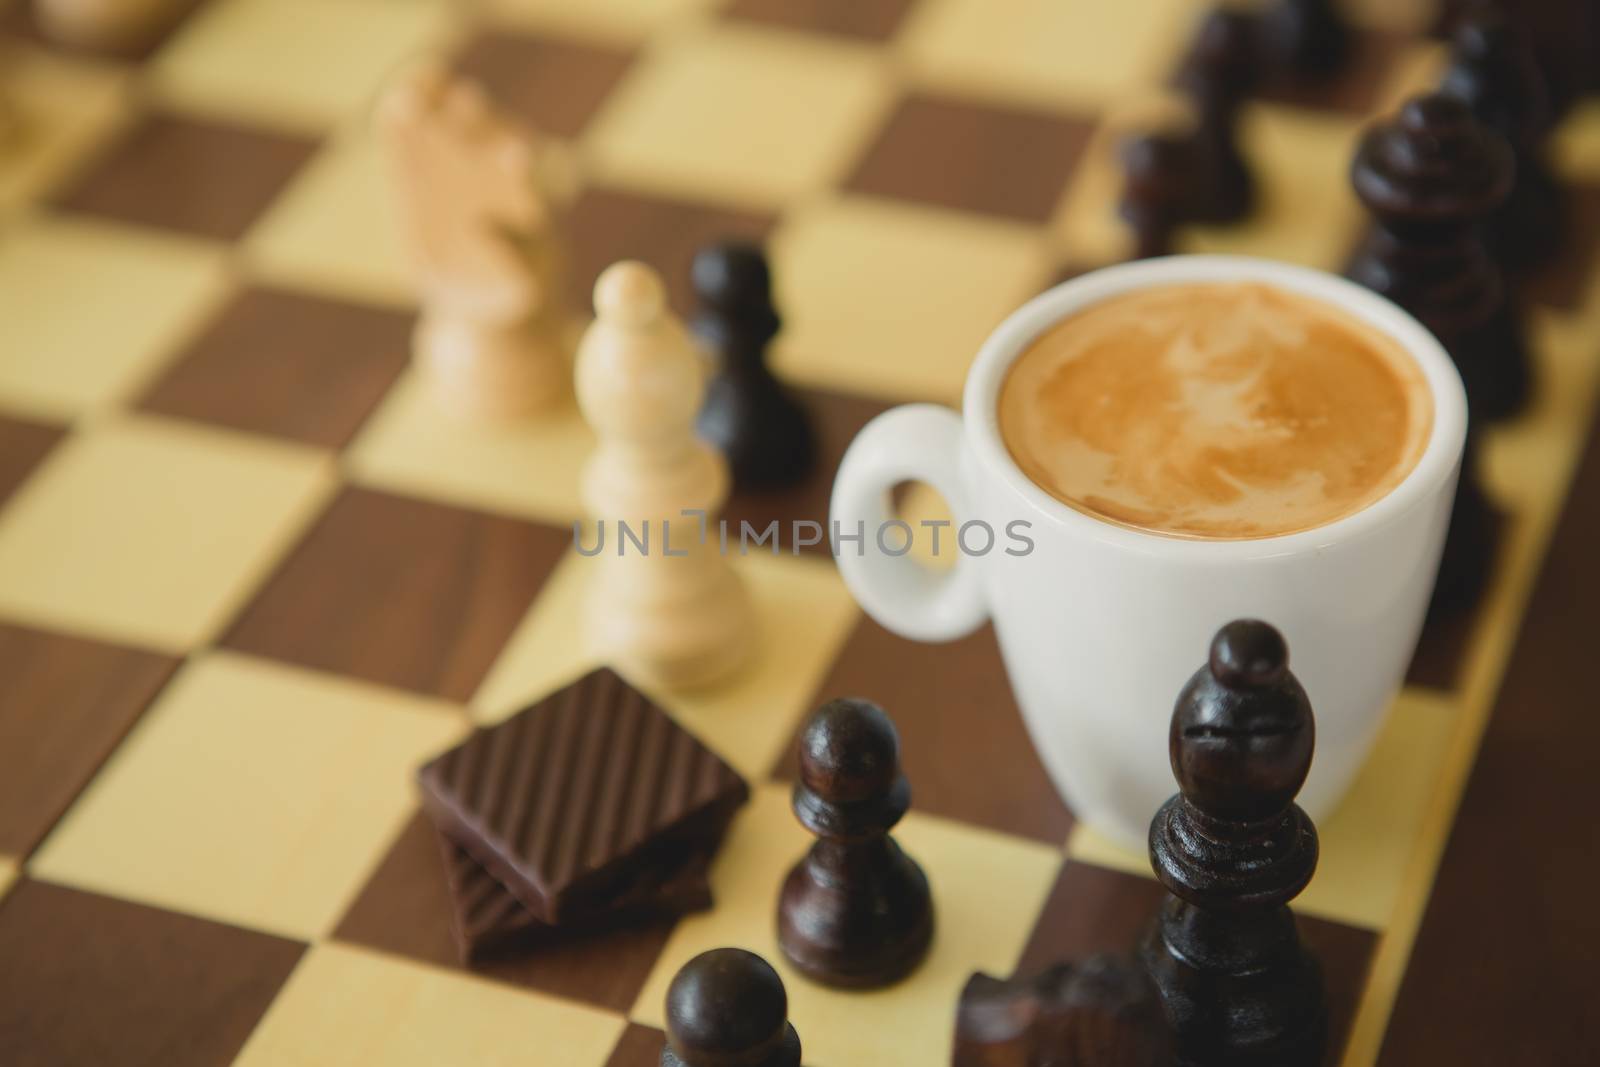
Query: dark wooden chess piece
x=1494 y=70
x=1431 y=177
x=1233 y=849
x=1103 y=1012
x=1154 y=196
x=1304 y=40
x=1219 y=76
x=855 y=912
x=748 y=414
x=728 y=1008
x=1469 y=546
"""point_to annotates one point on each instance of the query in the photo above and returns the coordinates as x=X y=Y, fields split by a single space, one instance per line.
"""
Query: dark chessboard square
x=196 y=176
x=86 y=979
x=639 y=1046
x=66 y=704
x=953 y=707
x=867 y=20
x=288 y=365
x=402 y=592
x=608 y=225
x=555 y=85
x=569 y=802
x=22 y=445
x=835 y=420
x=405 y=909
x=976 y=157
x=1094 y=910
x=1564 y=281
x=1358 y=86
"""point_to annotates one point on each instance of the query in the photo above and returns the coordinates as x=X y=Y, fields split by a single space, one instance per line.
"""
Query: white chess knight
x=679 y=619
x=479 y=215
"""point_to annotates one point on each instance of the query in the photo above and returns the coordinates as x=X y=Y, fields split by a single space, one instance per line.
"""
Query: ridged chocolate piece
x=490 y=923
x=567 y=800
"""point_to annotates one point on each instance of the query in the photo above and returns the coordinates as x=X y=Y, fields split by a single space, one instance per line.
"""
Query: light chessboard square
x=335 y=229
x=907 y=1025
x=152 y=532
x=893 y=300
x=253 y=794
x=302 y=64
x=802 y=615
x=346 y=1005
x=1072 y=54
x=530 y=469
x=92 y=309
x=748 y=116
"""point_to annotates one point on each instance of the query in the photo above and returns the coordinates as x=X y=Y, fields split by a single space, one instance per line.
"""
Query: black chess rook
x=1102 y=1012
x=1233 y=849
x=728 y=1008
x=855 y=912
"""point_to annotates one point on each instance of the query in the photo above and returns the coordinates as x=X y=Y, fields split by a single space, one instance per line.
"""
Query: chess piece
x=114 y=26
x=855 y=912
x=669 y=611
x=1470 y=544
x=1431 y=178
x=1220 y=74
x=1495 y=72
x=492 y=340
x=1157 y=168
x=1233 y=849
x=748 y=414
x=1303 y=39
x=728 y=1008
x=1098 y=1013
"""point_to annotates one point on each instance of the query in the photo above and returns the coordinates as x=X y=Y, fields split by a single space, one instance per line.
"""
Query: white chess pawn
x=105 y=25
x=676 y=615
x=492 y=340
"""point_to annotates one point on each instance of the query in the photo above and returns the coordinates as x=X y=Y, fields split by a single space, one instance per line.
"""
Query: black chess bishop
x=1233 y=849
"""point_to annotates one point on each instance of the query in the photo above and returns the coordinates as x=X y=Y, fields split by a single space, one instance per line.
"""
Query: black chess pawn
x=728 y=1008
x=747 y=414
x=855 y=912
x=1221 y=72
x=1304 y=40
x=1102 y=1012
x=1233 y=849
x=1157 y=170
x=1431 y=178
x=1495 y=71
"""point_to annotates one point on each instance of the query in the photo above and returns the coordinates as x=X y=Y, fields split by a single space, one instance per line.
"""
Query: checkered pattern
x=250 y=578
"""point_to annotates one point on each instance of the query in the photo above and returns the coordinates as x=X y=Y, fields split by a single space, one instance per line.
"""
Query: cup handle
x=917 y=442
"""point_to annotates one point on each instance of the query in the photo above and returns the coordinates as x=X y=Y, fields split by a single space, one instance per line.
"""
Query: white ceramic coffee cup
x=1100 y=625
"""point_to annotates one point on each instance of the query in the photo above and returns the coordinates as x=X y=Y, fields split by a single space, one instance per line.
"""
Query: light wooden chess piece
x=492 y=340
x=106 y=25
x=677 y=619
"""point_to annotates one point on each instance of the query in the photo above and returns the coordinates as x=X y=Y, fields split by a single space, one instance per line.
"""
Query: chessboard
x=251 y=578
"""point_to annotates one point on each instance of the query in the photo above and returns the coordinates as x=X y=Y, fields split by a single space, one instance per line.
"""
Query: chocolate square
x=568 y=800
x=490 y=923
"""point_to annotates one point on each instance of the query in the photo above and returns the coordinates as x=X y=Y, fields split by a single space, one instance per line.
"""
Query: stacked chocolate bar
x=588 y=810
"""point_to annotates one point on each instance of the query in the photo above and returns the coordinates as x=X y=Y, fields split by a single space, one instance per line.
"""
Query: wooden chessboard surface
x=250 y=578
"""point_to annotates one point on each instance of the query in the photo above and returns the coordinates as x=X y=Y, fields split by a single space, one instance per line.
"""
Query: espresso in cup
x=1215 y=411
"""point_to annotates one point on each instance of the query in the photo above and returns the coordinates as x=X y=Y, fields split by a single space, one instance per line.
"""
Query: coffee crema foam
x=1219 y=411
